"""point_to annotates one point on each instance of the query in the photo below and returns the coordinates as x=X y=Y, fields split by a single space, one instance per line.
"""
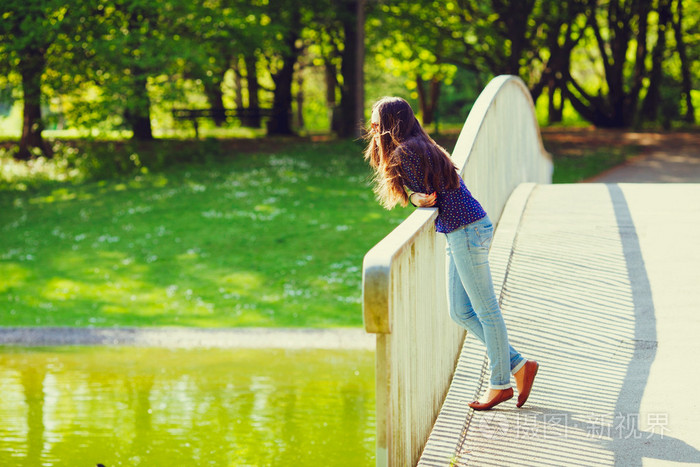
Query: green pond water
x=78 y=406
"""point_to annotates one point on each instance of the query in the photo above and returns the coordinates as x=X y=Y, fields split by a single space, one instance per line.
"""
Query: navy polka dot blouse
x=456 y=208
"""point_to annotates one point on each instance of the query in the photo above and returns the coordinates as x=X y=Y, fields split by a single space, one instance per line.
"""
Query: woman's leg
x=469 y=247
x=462 y=311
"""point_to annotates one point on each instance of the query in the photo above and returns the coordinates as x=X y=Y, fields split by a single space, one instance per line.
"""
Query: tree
x=352 y=89
x=228 y=34
x=614 y=34
x=678 y=28
x=561 y=29
x=254 y=35
x=284 y=38
x=334 y=38
x=650 y=105
x=214 y=28
x=419 y=40
x=513 y=25
x=140 y=21
x=27 y=31
x=120 y=48
x=604 y=57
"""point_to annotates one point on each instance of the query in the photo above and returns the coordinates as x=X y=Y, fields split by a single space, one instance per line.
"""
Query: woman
x=405 y=157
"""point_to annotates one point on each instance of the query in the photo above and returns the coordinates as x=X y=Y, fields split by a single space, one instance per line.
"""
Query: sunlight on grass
x=255 y=240
x=13 y=275
x=40 y=168
x=242 y=282
x=65 y=289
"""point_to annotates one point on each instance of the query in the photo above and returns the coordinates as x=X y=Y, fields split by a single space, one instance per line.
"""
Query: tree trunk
x=594 y=110
x=138 y=106
x=555 y=113
x=280 y=123
x=685 y=64
x=237 y=83
x=422 y=104
x=559 y=63
x=138 y=112
x=517 y=29
x=331 y=82
x=31 y=67
x=428 y=103
x=352 y=91
x=514 y=16
x=216 y=100
x=632 y=98
x=253 y=119
x=617 y=109
x=331 y=73
x=300 y=98
x=650 y=106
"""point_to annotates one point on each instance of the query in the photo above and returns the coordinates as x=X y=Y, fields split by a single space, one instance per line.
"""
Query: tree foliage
x=619 y=63
x=609 y=58
x=27 y=30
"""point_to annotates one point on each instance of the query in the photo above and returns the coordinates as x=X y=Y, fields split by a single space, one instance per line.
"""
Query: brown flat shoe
x=502 y=396
x=531 y=368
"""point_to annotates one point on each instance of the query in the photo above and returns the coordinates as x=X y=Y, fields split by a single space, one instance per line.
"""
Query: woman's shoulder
x=407 y=153
x=412 y=149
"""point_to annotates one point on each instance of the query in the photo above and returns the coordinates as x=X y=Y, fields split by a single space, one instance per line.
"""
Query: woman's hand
x=423 y=200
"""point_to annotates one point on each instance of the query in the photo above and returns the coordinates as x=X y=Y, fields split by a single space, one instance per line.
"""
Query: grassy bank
x=272 y=238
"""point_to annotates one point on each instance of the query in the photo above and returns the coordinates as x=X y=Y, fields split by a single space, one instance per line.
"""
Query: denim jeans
x=472 y=301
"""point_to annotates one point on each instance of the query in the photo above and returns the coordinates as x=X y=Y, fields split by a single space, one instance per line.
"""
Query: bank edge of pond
x=240 y=338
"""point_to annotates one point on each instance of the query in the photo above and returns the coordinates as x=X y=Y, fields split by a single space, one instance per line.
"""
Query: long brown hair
x=399 y=133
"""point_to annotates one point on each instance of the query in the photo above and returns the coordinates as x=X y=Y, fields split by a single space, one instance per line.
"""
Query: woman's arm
x=422 y=200
x=414 y=180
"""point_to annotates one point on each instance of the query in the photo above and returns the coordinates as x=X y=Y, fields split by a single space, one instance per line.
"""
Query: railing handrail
x=377 y=268
x=475 y=119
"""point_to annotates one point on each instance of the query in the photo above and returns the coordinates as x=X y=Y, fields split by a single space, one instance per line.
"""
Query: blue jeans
x=472 y=301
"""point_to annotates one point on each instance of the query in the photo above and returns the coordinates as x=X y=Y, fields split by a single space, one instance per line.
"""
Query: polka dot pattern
x=456 y=208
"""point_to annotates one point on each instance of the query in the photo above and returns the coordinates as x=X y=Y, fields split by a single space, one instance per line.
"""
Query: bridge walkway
x=600 y=283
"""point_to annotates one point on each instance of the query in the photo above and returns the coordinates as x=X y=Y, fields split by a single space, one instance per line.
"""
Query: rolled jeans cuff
x=518 y=366
x=499 y=386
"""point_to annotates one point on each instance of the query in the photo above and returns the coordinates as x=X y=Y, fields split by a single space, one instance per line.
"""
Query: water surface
x=157 y=407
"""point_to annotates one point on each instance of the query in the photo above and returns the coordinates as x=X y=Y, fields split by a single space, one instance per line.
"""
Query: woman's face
x=375 y=123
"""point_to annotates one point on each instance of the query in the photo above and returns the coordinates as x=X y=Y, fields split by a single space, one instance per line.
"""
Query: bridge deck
x=602 y=287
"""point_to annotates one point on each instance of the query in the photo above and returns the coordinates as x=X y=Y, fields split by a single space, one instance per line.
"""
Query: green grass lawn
x=256 y=240
x=576 y=168
x=267 y=239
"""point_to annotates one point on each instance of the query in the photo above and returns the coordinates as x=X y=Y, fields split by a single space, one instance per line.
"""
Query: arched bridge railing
x=404 y=299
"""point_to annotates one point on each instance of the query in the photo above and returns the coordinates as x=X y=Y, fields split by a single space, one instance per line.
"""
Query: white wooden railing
x=404 y=299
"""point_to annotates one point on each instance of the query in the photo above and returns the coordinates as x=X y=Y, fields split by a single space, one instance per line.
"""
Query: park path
x=602 y=288
x=665 y=158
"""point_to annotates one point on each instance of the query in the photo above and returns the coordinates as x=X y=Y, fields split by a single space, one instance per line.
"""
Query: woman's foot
x=493 y=398
x=524 y=378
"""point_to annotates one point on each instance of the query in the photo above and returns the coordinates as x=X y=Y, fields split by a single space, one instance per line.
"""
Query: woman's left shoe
x=502 y=396
x=530 y=369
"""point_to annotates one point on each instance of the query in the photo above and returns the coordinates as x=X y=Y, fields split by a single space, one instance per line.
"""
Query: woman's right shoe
x=530 y=368
x=502 y=396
